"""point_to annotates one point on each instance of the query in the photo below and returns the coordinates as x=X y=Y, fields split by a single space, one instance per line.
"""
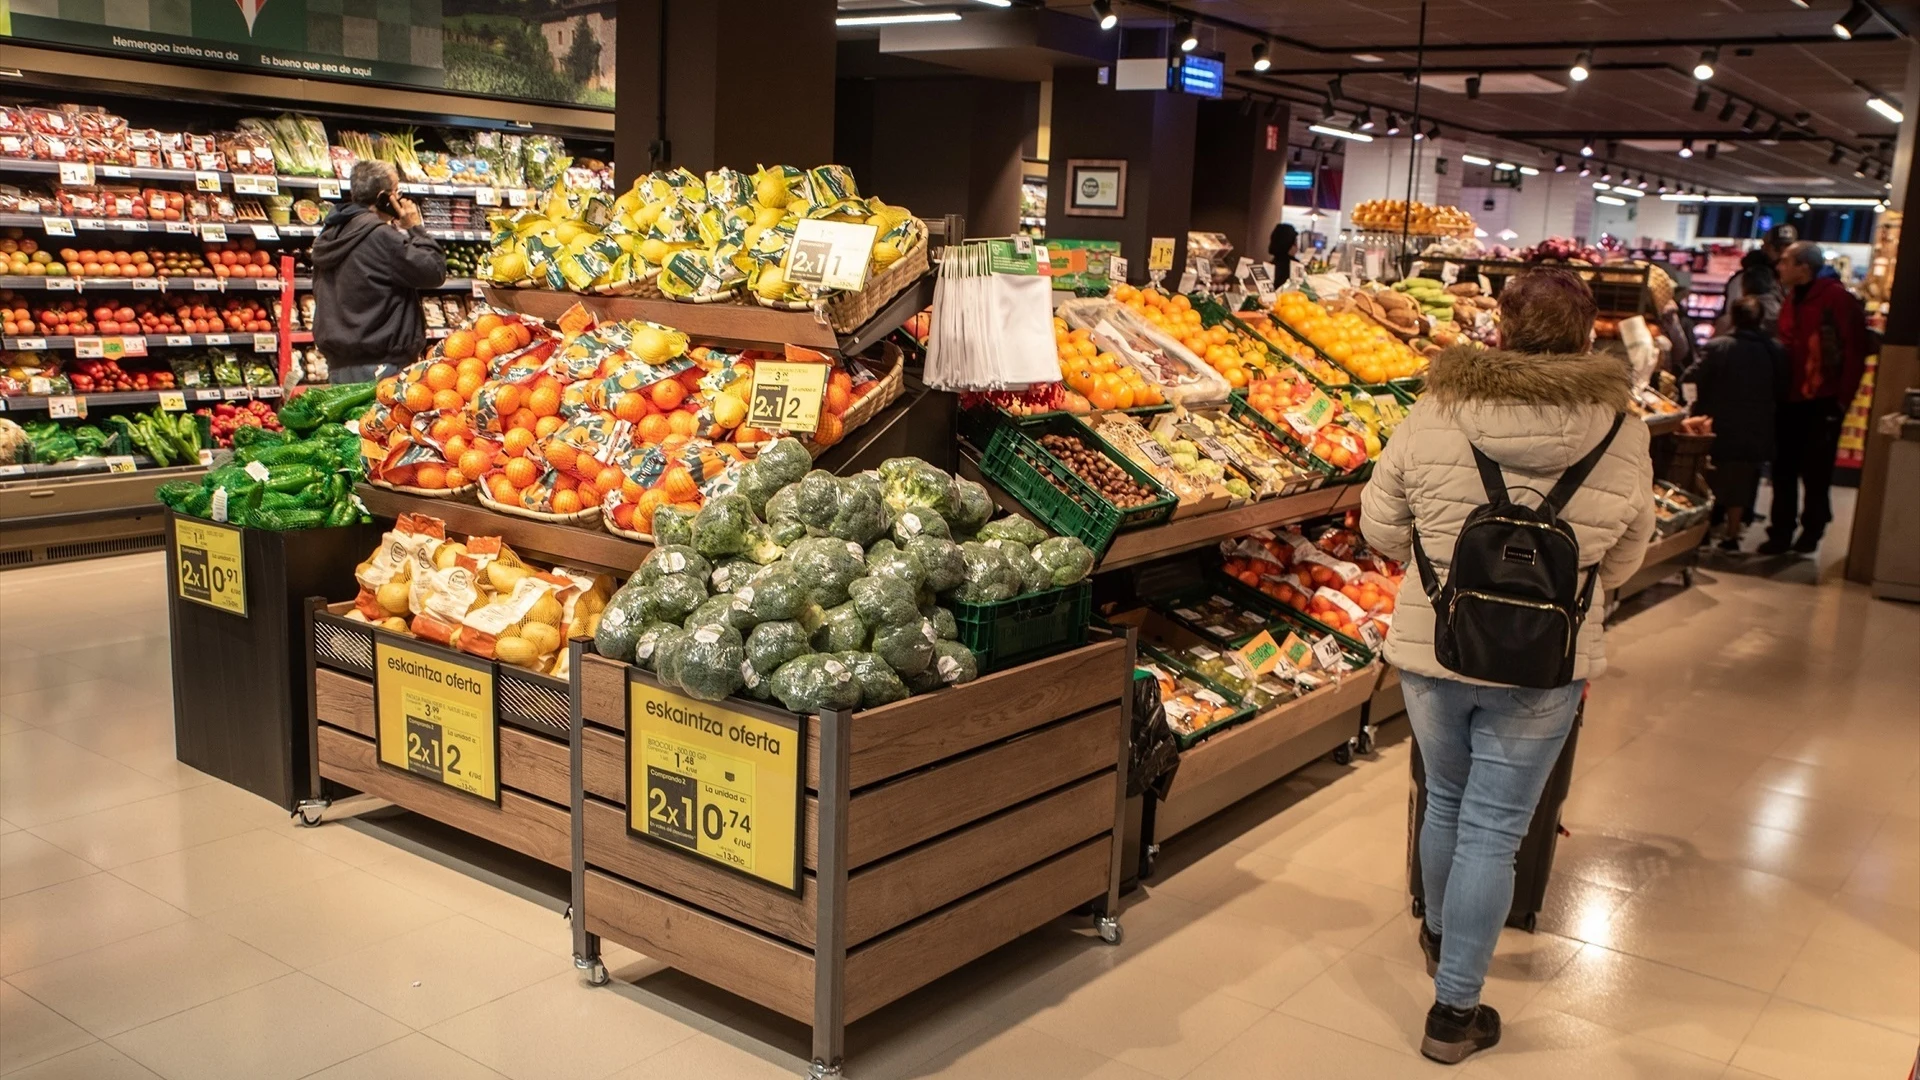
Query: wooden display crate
x=933 y=830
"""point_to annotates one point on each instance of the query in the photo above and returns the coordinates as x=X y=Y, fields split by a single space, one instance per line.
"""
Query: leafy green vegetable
x=817 y=500
x=719 y=610
x=672 y=525
x=989 y=576
x=674 y=559
x=883 y=602
x=815 y=682
x=861 y=516
x=896 y=565
x=943 y=561
x=1033 y=577
x=906 y=647
x=770 y=645
x=914 y=484
x=671 y=598
x=828 y=566
x=1013 y=527
x=943 y=621
x=724 y=526
x=910 y=523
x=1065 y=558
x=877 y=682
x=778 y=592
x=710 y=660
x=954 y=663
x=972 y=509
x=841 y=629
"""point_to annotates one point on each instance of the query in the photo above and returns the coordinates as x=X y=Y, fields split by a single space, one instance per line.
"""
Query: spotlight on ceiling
x=1838 y=153
x=1586 y=169
x=1860 y=170
x=1262 y=56
x=1559 y=164
x=1703 y=70
x=1366 y=119
x=1849 y=24
x=1586 y=148
x=1473 y=88
x=1642 y=182
x=1103 y=13
x=1608 y=174
x=1476 y=159
x=1582 y=67
x=1713 y=150
x=1702 y=99
x=1686 y=148
x=1753 y=119
x=1183 y=33
x=1887 y=109
x=1663 y=187
x=1805 y=206
x=1433 y=132
x=1773 y=131
x=1393 y=124
x=1882 y=174
x=1727 y=110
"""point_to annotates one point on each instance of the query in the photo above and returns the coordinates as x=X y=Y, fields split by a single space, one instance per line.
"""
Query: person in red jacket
x=1824 y=329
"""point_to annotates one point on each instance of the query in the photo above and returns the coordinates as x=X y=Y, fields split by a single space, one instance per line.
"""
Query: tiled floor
x=1740 y=898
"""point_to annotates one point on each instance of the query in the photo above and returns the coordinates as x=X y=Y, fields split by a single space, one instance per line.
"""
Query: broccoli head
x=867 y=478
x=971 y=509
x=673 y=526
x=883 y=601
x=1013 y=527
x=913 y=522
x=943 y=561
x=906 y=647
x=943 y=621
x=719 y=610
x=897 y=565
x=954 y=663
x=989 y=576
x=710 y=659
x=817 y=500
x=841 y=629
x=915 y=484
x=621 y=623
x=878 y=683
x=724 y=526
x=862 y=516
x=757 y=485
x=668 y=646
x=770 y=645
x=732 y=572
x=815 y=682
x=828 y=566
x=779 y=592
x=1065 y=558
x=646 y=644
x=674 y=559
x=786 y=460
x=1033 y=578
x=762 y=547
x=671 y=598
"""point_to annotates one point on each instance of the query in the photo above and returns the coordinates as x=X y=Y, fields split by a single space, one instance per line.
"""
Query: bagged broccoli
x=942 y=560
x=828 y=566
x=914 y=484
x=646 y=645
x=783 y=515
x=896 y=565
x=1065 y=558
x=877 y=682
x=869 y=479
x=672 y=525
x=943 y=621
x=926 y=682
x=862 y=516
x=785 y=460
x=671 y=598
x=989 y=576
x=906 y=647
x=778 y=592
x=761 y=545
x=954 y=663
x=971 y=509
x=668 y=645
x=770 y=645
x=673 y=559
x=719 y=610
x=910 y=523
x=1033 y=577
x=710 y=660
x=620 y=623
x=724 y=527
x=813 y=683
x=841 y=629
x=883 y=602
x=757 y=485
x=732 y=572
x=816 y=500
x=1013 y=527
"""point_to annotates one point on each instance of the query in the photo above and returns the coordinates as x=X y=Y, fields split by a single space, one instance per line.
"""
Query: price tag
x=30 y=344
x=1371 y=636
x=247 y=184
x=1449 y=273
x=787 y=396
x=234 y=393
x=88 y=348
x=113 y=172
x=206 y=457
x=179 y=339
x=210 y=564
x=219 y=339
x=719 y=784
x=206 y=181
x=830 y=254
x=66 y=407
x=266 y=343
x=266 y=285
x=61 y=284
x=13 y=470
x=173 y=401
x=1327 y=652
x=144 y=284
x=1156 y=453
x=413 y=189
x=119 y=463
x=1261 y=654
x=435 y=717
x=130 y=226
x=486 y=196
x=329 y=189
x=266 y=232
x=206 y=284
x=479 y=289
x=206 y=395
x=115 y=348
x=213 y=234
x=1160 y=254
x=516 y=197
x=267 y=393
x=1310 y=415
x=1297 y=654
x=76 y=174
x=180 y=228
x=57 y=226
x=90 y=223
x=39 y=384
x=1117 y=268
x=440 y=189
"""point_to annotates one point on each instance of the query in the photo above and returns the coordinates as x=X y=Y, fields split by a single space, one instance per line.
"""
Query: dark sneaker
x=1729 y=545
x=1775 y=546
x=1430 y=945
x=1453 y=1035
x=1807 y=544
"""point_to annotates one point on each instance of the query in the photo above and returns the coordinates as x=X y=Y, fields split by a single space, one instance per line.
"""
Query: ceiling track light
x=1586 y=148
x=1860 y=170
x=1850 y=23
x=1838 y=153
x=1713 y=150
x=1560 y=165
x=1473 y=87
x=1727 y=110
x=1103 y=14
x=1702 y=99
x=1184 y=34
x=1476 y=159
x=1686 y=148
x=1582 y=66
x=1433 y=132
x=1752 y=121
x=1642 y=183
x=1773 y=131
x=1882 y=174
x=1262 y=56
x=1337 y=88
x=1393 y=124
x=1586 y=169
x=1703 y=70
x=1608 y=174
x=1663 y=187
x=1366 y=119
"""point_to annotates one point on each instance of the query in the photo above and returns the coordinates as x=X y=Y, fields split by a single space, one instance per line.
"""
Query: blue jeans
x=1488 y=753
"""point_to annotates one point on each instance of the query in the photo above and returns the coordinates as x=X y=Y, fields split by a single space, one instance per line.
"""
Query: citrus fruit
x=729 y=411
x=566 y=502
x=654 y=428
x=547 y=425
x=459 y=345
x=560 y=455
x=623 y=517
x=524 y=418
x=475 y=463
x=631 y=407
x=448 y=400
x=667 y=394
x=508 y=400
x=683 y=423
x=606 y=478
x=502 y=489
x=520 y=472
x=418 y=398
x=486 y=324
x=518 y=442
x=429 y=475
x=589 y=494
x=468 y=383
x=441 y=376
x=544 y=401
x=503 y=340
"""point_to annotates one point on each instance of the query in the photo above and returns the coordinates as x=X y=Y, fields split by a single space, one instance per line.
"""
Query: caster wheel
x=310 y=814
x=1110 y=931
x=1343 y=754
x=1530 y=922
x=596 y=971
x=1364 y=742
x=820 y=1070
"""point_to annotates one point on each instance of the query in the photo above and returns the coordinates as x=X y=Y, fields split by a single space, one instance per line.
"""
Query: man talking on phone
x=370 y=262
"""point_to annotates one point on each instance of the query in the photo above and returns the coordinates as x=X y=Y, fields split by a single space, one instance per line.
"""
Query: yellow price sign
x=787 y=396
x=716 y=782
x=210 y=566
x=1261 y=654
x=434 y=716
x=1160 y=253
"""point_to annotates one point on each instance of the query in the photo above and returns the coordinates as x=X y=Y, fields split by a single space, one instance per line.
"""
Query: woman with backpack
x=1521 y=488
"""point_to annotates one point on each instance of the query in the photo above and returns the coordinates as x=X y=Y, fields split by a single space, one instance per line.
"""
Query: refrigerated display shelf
x=86 y=402
x=202 y=283
x=213 y=231
x=59 y=343
x=330 y=187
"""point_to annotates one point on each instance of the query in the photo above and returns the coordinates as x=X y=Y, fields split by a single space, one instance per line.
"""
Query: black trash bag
x=1156 y=754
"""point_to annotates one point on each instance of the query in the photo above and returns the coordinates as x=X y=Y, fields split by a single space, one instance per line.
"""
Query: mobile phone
x=383 y=202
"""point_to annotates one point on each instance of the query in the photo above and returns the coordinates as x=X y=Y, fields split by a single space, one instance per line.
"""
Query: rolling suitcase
x=1533 y=864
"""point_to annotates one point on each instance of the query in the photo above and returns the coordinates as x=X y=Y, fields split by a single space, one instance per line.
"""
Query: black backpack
x=1512 y=606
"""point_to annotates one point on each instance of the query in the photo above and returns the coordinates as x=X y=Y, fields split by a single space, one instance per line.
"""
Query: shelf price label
x=143 y=284
x=173 y=401
x=210 y=565
x=329 y=189
x=219 y=339
x=89 y=348
x=30 y=344
x=435 y=716
x=61 y=284
x=1296 y=653
x=830 y=254
x=181 y=228
x=66 y=407
x=1311 y=414
x=130 y=226
x=1327 y=652
x=179 y=339
x=248 y=184
x=265 y=343
x=486 y=196
x=787 y=396
x=516 y=197
x=206 y=181
x=115 y=348
x=716 y=783
x=76 y=174
x=1160 y=254
x=213 y=234
x=1260 y=655
x=207 y=284
x=119 y=463
x=266 y=232
x=57 y=226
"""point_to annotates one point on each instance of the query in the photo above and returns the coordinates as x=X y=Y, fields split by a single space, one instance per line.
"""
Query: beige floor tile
x=1794 y=1042
x=1580 y=910
x=705 y=1055
x=1382 y=1001
x=1546 y=1044
x=1878 y=878
x=311 y=1026
x=317 y=921
x=1751 y=895
x=441 y=884
x=537 y=924
x=121 y=986
x=1327 y=905
x=95 y=696
x=1897 y=838
x=1014 y=1053
x=1822 y=820
x=1523 y=963
x=1820 y=865
x=439 y=971
x=141 y=741
x=1854 y=922
x=74 y=916
x=1148 y=1019
x=160 y=825
x=203 y=879
x=18 y=675
x=28 y=863
x=1873 y=784
x=555 y=1030
x=1677 y=1008
x=339 y=840
x=414 y=1057
x=1616 y=860
x=1725 y=943
x=1248 y=960
x=96 y=1061
x=45 y=778
x=1280 y=1045
x=33 y=1032
x=1881 y=986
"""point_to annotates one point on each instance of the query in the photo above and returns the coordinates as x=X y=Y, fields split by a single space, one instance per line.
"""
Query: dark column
x=1153 y=132
x=943 y=145
x=1238 y=183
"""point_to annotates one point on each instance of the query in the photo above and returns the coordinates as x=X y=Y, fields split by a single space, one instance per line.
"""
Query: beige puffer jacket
x=1535 y=415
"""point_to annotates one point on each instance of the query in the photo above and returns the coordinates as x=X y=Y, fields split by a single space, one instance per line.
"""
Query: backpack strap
x=1491 y=477
x=1578 y=472
x=1429 y=579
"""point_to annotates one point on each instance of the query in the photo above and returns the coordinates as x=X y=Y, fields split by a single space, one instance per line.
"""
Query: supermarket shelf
x=80 y=466
x=203 y=283
x=1664 y=425
x=479 y=192
x=569 y=544
x=1144 y=545
x=206 y=230
x=460 y=234
x=1667 y=555
x=452 y=284
x=61 y=343
x=17 y=403
x=47 y=500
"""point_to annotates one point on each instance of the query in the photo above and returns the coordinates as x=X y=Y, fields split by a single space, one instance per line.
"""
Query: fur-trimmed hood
x=1467 y=374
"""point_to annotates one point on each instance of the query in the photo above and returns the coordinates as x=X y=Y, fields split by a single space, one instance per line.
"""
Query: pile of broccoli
x=827 y=592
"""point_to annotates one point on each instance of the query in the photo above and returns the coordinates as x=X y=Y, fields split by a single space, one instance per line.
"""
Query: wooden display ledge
x=1254 y=753
x=935 y=830
x=1675 y=553
x=1664 y=425
x=1389 y=698
x=1144 y=545
x=571 y=545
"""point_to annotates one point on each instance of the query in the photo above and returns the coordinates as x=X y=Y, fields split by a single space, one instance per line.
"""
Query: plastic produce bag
x=1156 y=754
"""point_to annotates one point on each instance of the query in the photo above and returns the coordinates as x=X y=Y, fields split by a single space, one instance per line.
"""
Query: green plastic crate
x=1257 y=601
x=1240 y=715
x=1006 y=633
x=1238 y=408
x=1017 y=462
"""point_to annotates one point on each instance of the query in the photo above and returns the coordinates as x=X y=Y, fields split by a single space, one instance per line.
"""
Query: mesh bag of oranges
x=1097 y=377
x=654 y=477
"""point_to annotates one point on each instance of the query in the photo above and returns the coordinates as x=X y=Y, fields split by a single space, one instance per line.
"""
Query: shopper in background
x=1281 y=246
x=1758 y=278
x=1741 y=380
x=370 y=262
x=1825 y=331
x=1535 y=406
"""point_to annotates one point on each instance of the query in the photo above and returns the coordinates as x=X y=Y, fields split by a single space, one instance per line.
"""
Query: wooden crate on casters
x=922 y=834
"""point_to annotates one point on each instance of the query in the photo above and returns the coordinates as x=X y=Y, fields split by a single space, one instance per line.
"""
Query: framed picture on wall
x=1096 y=188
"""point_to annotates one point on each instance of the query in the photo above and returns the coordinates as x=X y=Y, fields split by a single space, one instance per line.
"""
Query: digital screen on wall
x=558 y=51
x=1298 y=180
x=1203 y=77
